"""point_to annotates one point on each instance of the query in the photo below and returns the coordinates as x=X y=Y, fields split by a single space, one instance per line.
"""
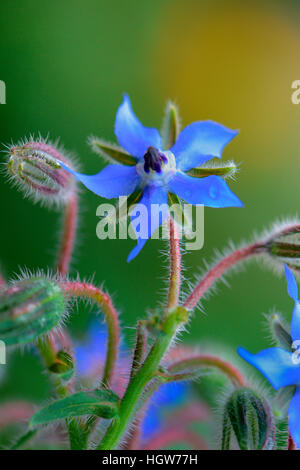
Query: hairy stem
x=68 y=235
x=82 y=289
x=76 y=429
x=138 y=383
x=138 y=358
x=218 y=270
x=207 y=360
x=48 y=351
x=24 y=439
x=133 y=442
x=175 y=267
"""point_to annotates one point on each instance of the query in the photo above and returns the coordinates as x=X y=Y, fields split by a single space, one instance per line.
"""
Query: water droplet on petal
x=214 y=192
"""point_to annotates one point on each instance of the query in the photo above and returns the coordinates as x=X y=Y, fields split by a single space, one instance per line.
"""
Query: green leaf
x=102 y=403
x=112 y=153
x=24 y=439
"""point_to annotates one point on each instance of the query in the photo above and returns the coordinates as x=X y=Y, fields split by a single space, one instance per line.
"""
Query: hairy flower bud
x=28 y=309
x=250 y=418
x=63 y=365
x=34 y=167
x=283 y=244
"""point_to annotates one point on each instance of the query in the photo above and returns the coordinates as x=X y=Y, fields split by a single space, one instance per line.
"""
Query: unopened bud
x=280 y=331
x=28 y=309
x=34 y=166
x=250 y=418
x=63 y=365
x=283 y=245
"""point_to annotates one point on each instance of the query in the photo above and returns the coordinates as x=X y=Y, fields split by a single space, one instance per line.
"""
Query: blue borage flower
x=157 y=171
x=281 y=367
x=166 y=399
x=91 y=354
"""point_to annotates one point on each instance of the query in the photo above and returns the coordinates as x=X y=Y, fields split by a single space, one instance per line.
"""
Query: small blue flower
x=157 y=171
x=90 y=356
x=281 y=367
x=168 y=397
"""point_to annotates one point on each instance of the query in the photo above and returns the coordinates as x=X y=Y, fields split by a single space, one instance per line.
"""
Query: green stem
x=140 y=348
x=24 y=439
x=195 y=363
x=175 y=267
x=48 y=350
x=138 y=383
x=82 y=289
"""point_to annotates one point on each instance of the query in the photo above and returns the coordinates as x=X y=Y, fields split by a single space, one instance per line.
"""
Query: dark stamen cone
x=154 y=160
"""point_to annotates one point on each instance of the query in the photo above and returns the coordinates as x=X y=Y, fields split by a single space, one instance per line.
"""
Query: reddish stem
x=175 y=266
x=81 y=289
x=218 y=270
x=207 y=360
x=294 y=228
x=68 y=235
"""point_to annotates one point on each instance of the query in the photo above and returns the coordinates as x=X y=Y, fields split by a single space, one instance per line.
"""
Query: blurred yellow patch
x=233 y=63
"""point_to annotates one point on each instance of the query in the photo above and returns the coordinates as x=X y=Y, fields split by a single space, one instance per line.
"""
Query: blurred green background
x=66 y=65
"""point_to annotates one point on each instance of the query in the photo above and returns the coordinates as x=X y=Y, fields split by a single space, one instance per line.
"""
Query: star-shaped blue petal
x=196 y=144
x=199 y=142
x=280 y=367
x=131 y=134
